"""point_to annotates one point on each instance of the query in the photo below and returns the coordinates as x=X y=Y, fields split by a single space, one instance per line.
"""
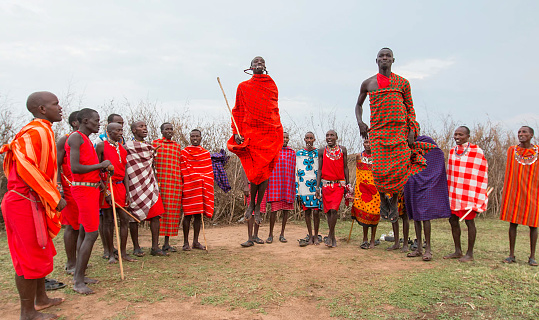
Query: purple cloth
x=425 y=194
x=218 y=161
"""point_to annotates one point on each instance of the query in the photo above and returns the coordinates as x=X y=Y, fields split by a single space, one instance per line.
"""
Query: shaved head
x=136 y=123
x=37 y=99
x=113 y=126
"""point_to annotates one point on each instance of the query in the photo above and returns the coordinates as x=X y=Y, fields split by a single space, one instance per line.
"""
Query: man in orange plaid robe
x=32 y=203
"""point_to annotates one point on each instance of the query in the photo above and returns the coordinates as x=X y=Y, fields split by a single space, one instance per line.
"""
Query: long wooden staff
x=203 y=230
x=350 y=234
x=468 y=212
x=116 y=228
x=127 y=212
x=230 y=110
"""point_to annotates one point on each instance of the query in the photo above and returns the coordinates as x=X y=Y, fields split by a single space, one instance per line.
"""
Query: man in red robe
x=197 y=195
x=112 y=150
x=258 y=136
x=85 y=167
x=32 y=203
x=70 y=214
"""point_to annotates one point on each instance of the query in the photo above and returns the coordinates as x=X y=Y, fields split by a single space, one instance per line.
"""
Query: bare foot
x=90 y=281
x=128 y=258
x=405 y=248
x=427 y=256
x=70 y=270
x=83 y=289
x=394 y=247
x=334 y=242
x=415 y=253
x=454 y=255
x=466 y=258
x=41 y=316
x=311 y=240
x=197 y=245
x=52 y=302
x=371 y=246
x=112 y=260
x=186 y=247
x=258 y=217
x=315 y=241
x=248 y=212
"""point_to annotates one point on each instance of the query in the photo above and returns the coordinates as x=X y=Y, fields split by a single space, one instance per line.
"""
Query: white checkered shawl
x=143 y=187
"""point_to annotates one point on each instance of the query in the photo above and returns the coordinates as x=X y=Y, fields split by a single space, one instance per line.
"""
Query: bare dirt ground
x=270 y=281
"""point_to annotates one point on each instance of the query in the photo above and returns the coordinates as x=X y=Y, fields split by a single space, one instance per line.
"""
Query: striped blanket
x=197 y=176
x=143 y=188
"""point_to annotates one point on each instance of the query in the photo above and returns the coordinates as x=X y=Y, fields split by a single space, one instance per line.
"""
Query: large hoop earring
x=247 y=71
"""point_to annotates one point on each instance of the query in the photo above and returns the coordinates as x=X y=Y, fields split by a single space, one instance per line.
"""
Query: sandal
x=319 y=238
x=138 y=252
x=169 y=249
x=269 y=239
x=427 y=256
x=283 y=239
x=159 y=253
x=414 y=254
x=509 y=260
x=258 y=240
x=364 y=245
x=248 y=243
x=51 y=284
x=303 y=242
x=532 y=262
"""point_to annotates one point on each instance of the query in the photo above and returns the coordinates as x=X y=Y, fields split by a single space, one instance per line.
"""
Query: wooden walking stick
x=468 y=212
x=203 y=231
x=116 y=228
x=350 y=234
x=230 y=110
x=128 y=213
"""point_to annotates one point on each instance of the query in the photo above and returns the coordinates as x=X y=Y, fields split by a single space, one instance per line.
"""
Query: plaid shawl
x=306 y=170
x=218 y=161
x=33 y=150
x=257 y=114
x=392 y=117
x=425 y=193
x=467 y=179
x=143 y=188
x=197 y=175
x=282 y=180
x=521 y=188
x=167 y=171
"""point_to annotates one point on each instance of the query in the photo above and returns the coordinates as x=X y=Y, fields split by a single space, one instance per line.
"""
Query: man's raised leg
x=260 y=190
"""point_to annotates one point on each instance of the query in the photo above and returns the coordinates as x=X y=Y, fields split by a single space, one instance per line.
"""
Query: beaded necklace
x=116 y=145
x=463 y=152
x=367 y=159
x=525 y=159
x=334 y=153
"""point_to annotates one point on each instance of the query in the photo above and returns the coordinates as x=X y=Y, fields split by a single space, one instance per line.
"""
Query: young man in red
x=85 y=167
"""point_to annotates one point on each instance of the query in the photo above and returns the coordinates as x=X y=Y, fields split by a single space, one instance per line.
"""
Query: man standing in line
x=281 y=190
x=395 y=155
x=333 y=178
x=167 y=172
x=143 y=189
x=197 y=196
x=258 y=136
x=85 y=167
x=32 y=203
x=70 y=214
x=306 y=170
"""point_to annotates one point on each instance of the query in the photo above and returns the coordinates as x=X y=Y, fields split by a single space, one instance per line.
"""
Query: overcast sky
x=469 y=59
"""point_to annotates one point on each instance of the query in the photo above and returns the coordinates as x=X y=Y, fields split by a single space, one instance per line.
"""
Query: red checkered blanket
x=467 y=179
x=143 y=188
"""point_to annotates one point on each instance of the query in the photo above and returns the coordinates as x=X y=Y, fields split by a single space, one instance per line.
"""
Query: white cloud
x=421 y=69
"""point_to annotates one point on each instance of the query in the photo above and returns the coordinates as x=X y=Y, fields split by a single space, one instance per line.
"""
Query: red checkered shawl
x=143 y=188
x=467 y=179
x=197 y=176
x=282 y=180
x=392 y=117
x=257 y=114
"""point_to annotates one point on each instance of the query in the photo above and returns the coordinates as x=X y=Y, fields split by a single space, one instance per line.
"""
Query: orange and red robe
x=366 y=208
x=392 y=117
x=197 y=177
x=167 y=171
x=521 y=187
x=29 y=205
x=257 y=115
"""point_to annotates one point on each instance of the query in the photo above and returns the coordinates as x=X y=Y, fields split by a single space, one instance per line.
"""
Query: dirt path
x=292 y=282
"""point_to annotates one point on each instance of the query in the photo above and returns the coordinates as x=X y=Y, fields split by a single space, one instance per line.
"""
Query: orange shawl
x=34 y=151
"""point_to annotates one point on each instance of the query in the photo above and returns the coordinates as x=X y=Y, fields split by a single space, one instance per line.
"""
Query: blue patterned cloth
x=306 y=170
x=218 y=161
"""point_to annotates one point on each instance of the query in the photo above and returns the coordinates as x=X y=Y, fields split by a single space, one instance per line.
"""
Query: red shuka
x=118 y=161
x=70 y=214
x=257 y=115
x=197 y=177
